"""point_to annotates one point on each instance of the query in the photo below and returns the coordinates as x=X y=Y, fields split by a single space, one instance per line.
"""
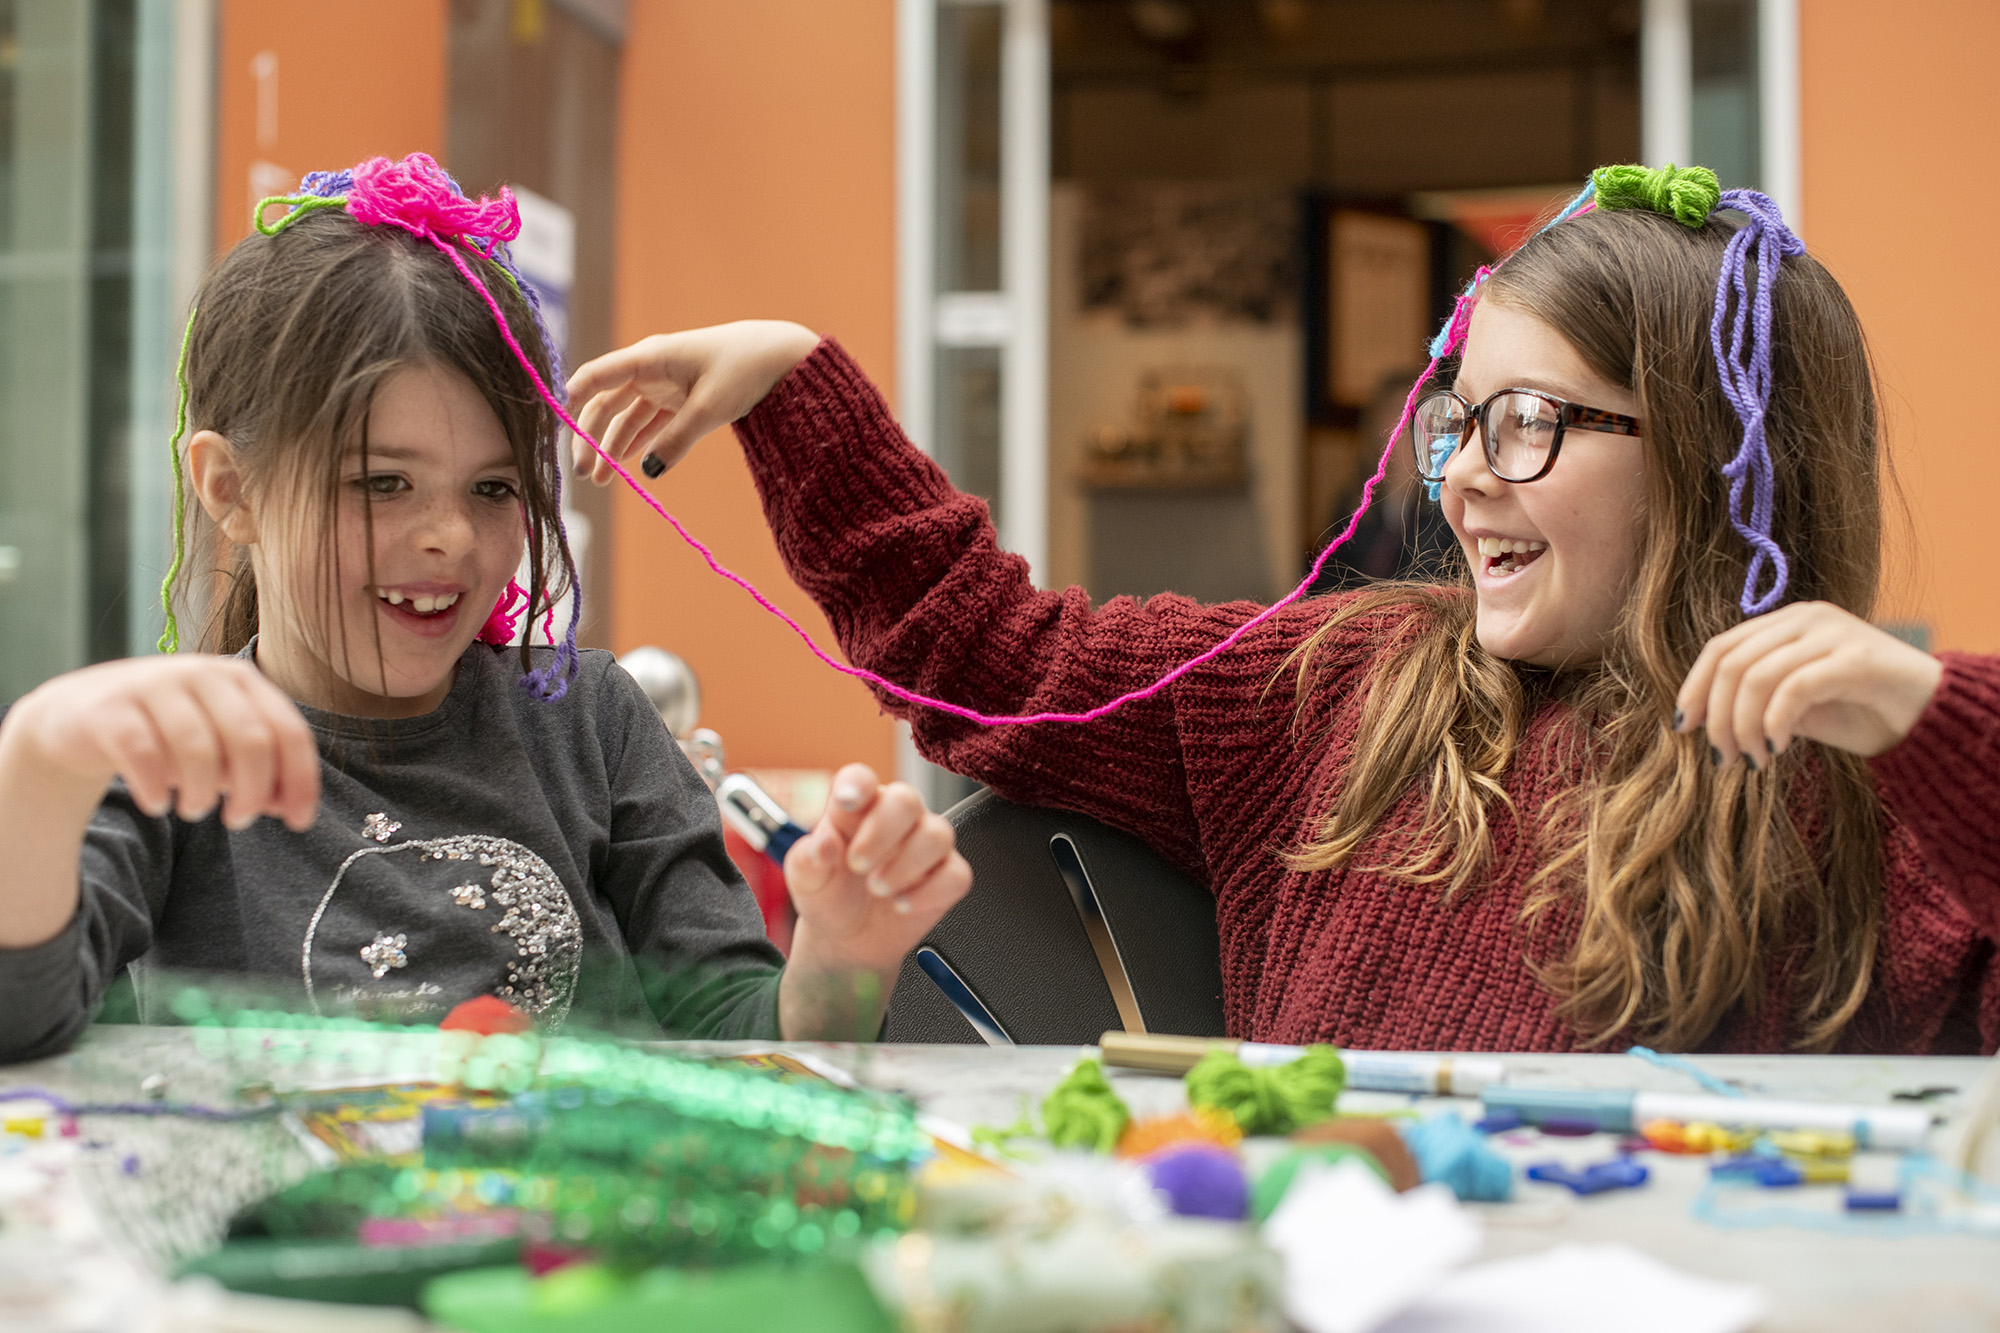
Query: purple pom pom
x=1201 y=1181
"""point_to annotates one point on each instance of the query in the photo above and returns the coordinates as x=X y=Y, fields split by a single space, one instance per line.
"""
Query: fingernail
x=1680 y=719
x=1715 y=756
x=901 y=906
x=651 y=466
x=847 y=796
x=860 y=865
x=878 y=886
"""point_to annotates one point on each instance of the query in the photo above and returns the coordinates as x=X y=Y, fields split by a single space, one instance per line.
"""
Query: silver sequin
x=379 y=827
x=539 y=918
x=469 y=895
x=386 y=952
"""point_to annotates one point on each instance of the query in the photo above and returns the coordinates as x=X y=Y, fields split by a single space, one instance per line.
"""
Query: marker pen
x=1623 y=1110
x=1439 y=1075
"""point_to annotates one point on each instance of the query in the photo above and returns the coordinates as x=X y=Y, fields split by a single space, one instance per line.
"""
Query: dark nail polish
x=652 y=466
x=1680 y=719
x=1770 y=746
x=1715 y=756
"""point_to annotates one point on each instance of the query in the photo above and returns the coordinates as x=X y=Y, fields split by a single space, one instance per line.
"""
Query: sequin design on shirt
x=535 y=914
x=379 y=827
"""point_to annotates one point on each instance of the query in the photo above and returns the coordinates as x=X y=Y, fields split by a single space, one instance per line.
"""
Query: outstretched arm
x=909 y=573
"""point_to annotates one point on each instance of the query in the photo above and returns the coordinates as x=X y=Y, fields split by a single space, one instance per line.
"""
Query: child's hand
x=869 y=882
x=651 y=401
x=184 y=732
x=1812 y=670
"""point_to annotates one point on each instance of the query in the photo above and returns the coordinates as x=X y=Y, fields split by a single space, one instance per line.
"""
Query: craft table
x=1815 y=1280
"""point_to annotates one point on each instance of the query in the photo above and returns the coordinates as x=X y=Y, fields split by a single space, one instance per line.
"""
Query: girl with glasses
x=1574 y=796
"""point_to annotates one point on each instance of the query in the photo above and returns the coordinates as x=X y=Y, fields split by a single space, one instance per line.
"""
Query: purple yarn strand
x=1743 y=360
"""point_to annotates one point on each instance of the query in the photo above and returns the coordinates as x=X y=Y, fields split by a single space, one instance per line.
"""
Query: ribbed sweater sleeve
x=1942 y=783
x=911 y=576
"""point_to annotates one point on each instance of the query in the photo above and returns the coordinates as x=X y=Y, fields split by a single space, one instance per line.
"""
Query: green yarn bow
x=1685 y=194
x=1273 y=1100
x=1083 y=1111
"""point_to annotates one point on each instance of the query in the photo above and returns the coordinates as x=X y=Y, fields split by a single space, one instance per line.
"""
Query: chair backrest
x=1062 y=909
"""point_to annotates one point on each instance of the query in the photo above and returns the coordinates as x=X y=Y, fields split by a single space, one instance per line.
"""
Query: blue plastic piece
x=1874 y=1201
x=1449 y=1150
x=1497 y=1123
x=1770 y=1172
x=1620 y=1173
x=1609 y=1109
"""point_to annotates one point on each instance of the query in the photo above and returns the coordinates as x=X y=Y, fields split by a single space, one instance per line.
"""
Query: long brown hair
x=291 y=338
x=1682 y=880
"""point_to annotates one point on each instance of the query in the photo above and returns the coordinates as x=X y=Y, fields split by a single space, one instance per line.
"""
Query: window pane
x=45 y=237
x=968 y=146
x=1725 y=134
x=968 y=425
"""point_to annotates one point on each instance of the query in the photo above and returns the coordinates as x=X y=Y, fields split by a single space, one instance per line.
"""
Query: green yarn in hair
x=170 y=636
x=1685 y=194
x=1083 y=1112
x=298 y=206
x=1270 y=1100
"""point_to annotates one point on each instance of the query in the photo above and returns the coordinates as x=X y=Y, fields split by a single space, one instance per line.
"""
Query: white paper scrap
x=1581 y=1289
x=1356 y=1252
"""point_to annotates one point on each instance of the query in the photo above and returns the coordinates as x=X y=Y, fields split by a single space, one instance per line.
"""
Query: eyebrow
x=394 y=454
x=1568 y=393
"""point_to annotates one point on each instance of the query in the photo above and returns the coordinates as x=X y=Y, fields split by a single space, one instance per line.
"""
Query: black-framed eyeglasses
x=1521 y=429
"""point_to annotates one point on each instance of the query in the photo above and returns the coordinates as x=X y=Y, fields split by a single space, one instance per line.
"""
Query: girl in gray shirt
x=363 y=787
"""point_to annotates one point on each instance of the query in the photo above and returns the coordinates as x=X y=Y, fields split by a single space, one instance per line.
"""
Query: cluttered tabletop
x=268 y=1172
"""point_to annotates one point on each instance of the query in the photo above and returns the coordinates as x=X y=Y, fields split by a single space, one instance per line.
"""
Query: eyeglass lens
x=1522 y=428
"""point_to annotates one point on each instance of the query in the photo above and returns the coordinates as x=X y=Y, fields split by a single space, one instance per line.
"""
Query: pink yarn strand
x=882 y=683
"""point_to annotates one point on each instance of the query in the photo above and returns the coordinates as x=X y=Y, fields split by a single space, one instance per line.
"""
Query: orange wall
x=1900 y=111
x=757 y=178
x=355 y=79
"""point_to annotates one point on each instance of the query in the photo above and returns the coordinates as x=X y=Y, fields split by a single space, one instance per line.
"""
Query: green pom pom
x=1275 y=1100
x=1083 y=1111
x=1685 y=194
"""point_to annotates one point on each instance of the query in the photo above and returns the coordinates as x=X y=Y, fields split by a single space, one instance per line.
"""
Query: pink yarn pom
x=499 y=627
x=416 y=195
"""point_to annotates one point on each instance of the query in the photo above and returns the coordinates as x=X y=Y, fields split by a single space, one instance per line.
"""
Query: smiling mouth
x=1503 y=557
x=425 y=605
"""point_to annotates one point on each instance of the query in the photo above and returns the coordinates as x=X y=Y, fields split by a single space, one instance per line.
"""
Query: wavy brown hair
x=292 y=336
x=1682 y=881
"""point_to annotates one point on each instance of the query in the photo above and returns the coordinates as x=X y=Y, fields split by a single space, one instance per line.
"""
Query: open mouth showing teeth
x=425 y=605
x=1504 y=555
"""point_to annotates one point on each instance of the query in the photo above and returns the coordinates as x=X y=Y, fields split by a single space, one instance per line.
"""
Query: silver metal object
x=1069 y=861
x=961 y=997
x=704 y=750
x=749 y=809
x=669 y=684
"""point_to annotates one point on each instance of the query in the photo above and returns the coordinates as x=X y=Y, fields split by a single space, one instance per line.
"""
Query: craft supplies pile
x=497 y=1179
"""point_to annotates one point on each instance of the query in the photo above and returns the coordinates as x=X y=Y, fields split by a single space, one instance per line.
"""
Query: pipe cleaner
x=419 y=197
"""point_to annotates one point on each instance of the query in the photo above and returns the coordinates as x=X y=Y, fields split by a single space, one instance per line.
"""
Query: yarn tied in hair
x=1685 y=194
x=1743 y=308
x=417 y=195
x=1275 y=1099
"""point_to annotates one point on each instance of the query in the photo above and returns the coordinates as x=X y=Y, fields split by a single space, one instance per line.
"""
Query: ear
x=218 y=483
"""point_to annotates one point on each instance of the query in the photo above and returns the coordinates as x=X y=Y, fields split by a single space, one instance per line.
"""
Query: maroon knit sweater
x=1214 y=775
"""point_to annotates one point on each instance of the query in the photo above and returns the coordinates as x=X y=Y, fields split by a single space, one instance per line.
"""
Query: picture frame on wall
x=1371 y=291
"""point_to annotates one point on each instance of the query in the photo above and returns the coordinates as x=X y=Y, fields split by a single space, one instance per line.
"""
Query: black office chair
x=1071 y=929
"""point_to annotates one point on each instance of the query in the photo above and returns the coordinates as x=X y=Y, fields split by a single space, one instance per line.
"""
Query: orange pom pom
x=1203 y=1124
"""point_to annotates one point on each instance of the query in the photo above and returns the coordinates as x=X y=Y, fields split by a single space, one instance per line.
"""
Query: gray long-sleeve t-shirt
x=564 y=856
